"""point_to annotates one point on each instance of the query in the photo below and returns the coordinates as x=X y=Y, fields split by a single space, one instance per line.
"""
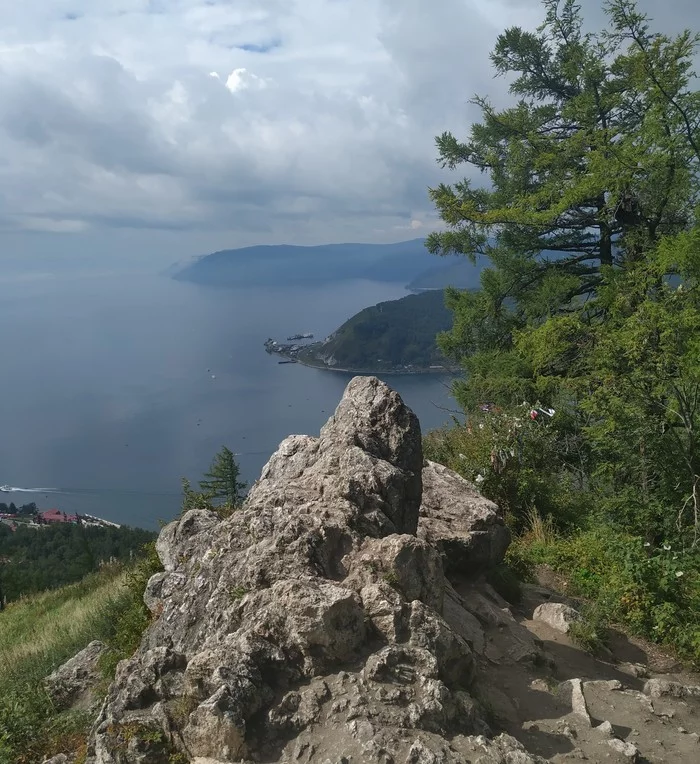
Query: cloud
x=296 y=120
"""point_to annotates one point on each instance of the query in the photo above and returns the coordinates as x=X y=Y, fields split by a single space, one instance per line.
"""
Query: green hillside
x=33 y=559
x=391 y=336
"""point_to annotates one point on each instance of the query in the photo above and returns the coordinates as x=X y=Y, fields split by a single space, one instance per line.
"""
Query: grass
x=35 y=629
x=42 y=631
x=647 y=591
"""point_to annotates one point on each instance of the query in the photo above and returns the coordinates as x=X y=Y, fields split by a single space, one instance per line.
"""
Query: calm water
x=107 y=391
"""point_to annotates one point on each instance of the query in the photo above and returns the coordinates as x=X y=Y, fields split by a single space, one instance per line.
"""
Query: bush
x=522 y=464
x=653 y=592
x=129 y=611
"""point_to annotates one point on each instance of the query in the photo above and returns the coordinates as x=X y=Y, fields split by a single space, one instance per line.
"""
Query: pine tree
x=222 y=481
x=596 y=162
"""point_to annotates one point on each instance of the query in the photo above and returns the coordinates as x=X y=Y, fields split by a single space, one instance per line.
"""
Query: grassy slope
x=36 y=635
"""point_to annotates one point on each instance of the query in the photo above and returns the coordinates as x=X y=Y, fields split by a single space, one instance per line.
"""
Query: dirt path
x=564 y=704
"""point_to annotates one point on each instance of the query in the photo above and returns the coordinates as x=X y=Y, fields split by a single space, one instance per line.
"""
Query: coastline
x=443 y=370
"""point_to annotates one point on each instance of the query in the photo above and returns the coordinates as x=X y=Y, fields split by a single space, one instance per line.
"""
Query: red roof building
x=56 y=516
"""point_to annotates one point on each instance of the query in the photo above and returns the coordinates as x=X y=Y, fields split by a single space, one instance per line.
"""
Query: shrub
x=653 y=592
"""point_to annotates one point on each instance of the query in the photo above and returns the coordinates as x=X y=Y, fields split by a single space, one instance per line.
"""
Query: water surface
x=116 y=385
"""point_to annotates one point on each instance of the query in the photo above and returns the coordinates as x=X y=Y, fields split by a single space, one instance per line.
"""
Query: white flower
x=479 y=479
x=679 y=573
x=667 y=547
x=646 y=543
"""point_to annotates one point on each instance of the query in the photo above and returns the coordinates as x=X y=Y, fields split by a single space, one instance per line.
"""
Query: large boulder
x=311 y=620
x=71 y=685
x=455 y=518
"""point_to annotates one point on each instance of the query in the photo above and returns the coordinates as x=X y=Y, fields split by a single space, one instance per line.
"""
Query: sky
x=155 y=130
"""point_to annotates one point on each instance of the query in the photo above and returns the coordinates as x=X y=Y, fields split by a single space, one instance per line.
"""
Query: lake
x=115 y=386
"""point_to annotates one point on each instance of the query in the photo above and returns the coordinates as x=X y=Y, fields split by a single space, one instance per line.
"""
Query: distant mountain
x=397 y=335
x=456 y=271
x=287 y=264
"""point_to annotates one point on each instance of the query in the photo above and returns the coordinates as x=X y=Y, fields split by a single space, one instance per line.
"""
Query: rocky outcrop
x=464 y=526
x=72 y=684
x=314 y=620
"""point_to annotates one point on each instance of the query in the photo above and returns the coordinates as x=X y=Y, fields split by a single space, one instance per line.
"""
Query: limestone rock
x=628 y=750
x=557 y=615
x=71 y=685
x=314 y=620
x=658 y=688
x=466 y=527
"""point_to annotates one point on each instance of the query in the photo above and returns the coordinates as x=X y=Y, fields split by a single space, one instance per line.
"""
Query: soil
x=526 y=698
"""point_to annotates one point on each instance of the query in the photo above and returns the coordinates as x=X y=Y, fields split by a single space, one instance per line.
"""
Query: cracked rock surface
x=341 y=617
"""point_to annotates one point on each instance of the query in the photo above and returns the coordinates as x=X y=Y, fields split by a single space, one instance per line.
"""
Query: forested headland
x=397 y=336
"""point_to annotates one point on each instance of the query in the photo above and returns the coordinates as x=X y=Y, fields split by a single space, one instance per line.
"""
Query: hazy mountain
x=455 y=271
x=287 y=264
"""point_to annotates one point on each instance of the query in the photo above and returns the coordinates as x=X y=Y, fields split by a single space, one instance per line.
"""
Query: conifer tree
x=222 y=481
x=595 y=163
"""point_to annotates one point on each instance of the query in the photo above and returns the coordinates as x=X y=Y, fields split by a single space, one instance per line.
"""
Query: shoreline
x=444 y=371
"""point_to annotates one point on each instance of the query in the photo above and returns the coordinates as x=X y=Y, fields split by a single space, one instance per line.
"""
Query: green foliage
x=131 y=616
x=590 y=304
x=192 y=499
x=652 y=591
x=592 y=167
x=221 y=484
x=37 y=634
x=33 y=559
x=521 y=463
x=388 y=336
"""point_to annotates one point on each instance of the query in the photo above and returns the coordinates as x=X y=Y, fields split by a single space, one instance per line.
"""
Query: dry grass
x=539 y=530
x=42 y=624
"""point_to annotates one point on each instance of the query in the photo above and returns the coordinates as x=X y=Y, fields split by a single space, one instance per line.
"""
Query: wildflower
x=667 y=547
x=679 y=573
x=646 y=543
x=479 y=479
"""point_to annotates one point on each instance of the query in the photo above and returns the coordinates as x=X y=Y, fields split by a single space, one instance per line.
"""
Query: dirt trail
x=565 y=704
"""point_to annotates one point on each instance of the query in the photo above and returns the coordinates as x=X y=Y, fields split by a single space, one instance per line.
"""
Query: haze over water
x=108 y=395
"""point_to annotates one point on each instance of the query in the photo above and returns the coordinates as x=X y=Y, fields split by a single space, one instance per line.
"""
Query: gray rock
x=628 y=750
x=658 y=688
x=466 y=527
x=557 y=615
x=72 y=684
x=313 y=620
x=571 y=691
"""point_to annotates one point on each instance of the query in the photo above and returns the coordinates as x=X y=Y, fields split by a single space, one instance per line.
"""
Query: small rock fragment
x=572 y=691
x=557 y=615
x=626 y=749
x=605 y=728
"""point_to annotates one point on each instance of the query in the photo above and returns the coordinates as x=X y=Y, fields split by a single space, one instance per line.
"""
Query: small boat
x=289 y=360
x=5 y=488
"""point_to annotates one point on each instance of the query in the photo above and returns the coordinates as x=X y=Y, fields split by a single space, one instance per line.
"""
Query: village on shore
x=29 y=516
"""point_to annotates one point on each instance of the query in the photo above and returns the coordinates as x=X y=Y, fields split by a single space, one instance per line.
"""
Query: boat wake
x=17 y=489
